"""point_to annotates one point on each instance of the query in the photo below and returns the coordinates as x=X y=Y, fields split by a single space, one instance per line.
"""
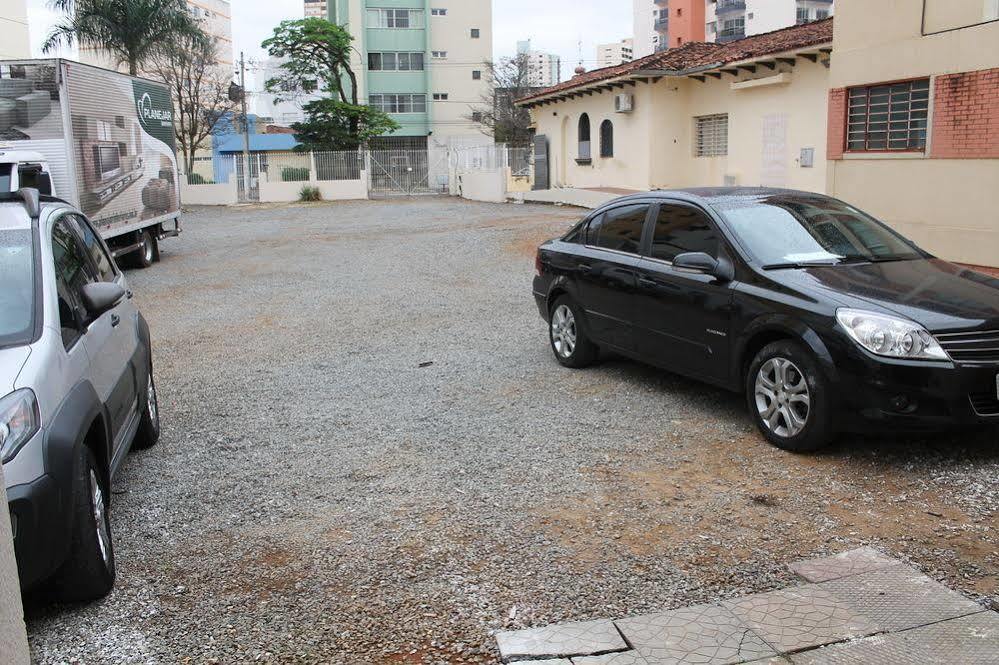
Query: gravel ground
x=317 y=496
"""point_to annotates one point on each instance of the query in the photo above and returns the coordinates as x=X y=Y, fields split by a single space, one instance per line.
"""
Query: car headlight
x=890 y=336
x=18 y=422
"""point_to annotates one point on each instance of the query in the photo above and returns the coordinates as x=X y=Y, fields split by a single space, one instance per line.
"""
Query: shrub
x=310 y=193
x=295 y=174
x=198 y=179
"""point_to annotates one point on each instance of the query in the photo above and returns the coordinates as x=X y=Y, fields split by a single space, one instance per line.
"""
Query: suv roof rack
x=32 y=200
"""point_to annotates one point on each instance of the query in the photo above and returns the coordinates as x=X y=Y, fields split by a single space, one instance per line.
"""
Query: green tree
x=317 y=56
x=133 y=31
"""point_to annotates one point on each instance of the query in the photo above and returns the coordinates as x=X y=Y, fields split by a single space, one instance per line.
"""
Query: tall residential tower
x=424 y=62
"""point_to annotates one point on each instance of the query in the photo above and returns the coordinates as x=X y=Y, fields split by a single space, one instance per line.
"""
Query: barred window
x=889 y=117
x=399 y=103
x=711 y=135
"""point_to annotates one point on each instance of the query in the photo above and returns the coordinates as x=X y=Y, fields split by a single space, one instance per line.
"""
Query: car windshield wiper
x=893 y=258
x=799 y=264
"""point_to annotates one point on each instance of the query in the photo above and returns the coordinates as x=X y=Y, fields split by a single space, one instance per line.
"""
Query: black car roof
x=715 y=196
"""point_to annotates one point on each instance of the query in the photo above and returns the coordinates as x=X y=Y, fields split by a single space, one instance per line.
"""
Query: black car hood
x=939 y=295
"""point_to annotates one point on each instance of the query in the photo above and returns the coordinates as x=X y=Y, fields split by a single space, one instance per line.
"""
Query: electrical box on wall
x=624 y=103
x=807 y=159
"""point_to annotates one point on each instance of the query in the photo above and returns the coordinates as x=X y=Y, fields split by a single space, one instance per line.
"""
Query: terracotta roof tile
x=702 y=54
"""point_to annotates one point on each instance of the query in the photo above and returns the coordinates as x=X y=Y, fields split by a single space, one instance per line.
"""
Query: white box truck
x=98 y=139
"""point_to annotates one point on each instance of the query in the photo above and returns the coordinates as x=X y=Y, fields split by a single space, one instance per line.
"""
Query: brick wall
x=966 y=116
x=836 y=134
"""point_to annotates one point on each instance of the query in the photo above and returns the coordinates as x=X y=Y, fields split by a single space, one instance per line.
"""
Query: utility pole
x=246 y=127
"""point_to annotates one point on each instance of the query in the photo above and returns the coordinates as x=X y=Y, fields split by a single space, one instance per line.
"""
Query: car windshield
x=786 y=231
x=17 y=290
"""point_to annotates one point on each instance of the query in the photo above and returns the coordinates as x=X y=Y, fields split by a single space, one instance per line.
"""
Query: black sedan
x=827 y=319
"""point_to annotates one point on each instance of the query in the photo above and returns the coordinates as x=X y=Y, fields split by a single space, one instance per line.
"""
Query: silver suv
x=76 y=391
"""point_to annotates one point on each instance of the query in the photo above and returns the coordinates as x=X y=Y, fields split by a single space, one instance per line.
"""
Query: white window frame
x=395 y=103
x=711 y=135
x=388 y=18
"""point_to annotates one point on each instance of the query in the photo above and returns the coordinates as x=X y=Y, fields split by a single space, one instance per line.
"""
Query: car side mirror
x=701 y=262
x=43 y=183
x=99 y=297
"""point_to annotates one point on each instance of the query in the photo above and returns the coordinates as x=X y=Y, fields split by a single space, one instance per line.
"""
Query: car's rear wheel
x=567 y=334
x=788 y=398
x=89 y=572
x=149 y=424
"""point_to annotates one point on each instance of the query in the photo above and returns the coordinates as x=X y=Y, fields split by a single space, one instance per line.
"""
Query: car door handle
x=645 y=281
x=115 y=320
x=583 y=267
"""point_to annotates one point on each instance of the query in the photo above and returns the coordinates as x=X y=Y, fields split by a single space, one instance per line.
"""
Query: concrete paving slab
x=972 y=639
x=551 y=661
x=860 y=560
x=702 y=634
x=800 y=618
x=899 y=598
x=581 y=638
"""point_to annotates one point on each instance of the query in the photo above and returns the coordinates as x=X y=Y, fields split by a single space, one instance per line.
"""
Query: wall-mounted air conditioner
x=624 y=103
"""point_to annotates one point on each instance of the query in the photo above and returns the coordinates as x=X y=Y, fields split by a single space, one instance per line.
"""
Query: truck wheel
x=89 y=572
x=145 y=255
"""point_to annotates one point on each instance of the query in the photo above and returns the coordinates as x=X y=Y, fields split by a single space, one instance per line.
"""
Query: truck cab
x=24 y=168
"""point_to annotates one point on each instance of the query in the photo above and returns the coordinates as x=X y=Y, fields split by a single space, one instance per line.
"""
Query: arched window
x=585 y=154
x=607 y=139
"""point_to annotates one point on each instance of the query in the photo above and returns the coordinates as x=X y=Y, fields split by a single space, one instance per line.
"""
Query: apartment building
x=728 y=20
x=423 y=62
x=216 y=19
x=543 y=69
x=616 y=53
x=315 y=8
x=14 y=28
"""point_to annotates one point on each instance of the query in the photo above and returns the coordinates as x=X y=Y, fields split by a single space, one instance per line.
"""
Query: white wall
x=488 y=186
x=331 y=190
x=452 y=33
x=14 y=29
x=643 y=27
x=219 y=194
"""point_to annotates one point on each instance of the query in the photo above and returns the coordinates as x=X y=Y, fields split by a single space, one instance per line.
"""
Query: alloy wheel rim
x=100 y=517
x=563 y=331
x=151 y=404
x=782 y=397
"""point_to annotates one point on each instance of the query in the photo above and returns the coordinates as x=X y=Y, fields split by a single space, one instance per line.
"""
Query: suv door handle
x=115 y=320
x=645 y=281
x=584 y=267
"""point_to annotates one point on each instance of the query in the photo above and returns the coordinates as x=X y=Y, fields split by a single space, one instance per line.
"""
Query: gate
x=258 y=164
x=408 y=172
x=542 y=179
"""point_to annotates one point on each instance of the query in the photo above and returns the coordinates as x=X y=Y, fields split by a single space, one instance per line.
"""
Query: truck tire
x=146 y=254
x=89 y=572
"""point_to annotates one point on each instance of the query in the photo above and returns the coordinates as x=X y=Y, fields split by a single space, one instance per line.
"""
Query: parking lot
x=369 y=455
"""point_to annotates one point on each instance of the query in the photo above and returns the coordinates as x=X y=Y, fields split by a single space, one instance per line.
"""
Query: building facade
x=728 y=20
x=14 y=28
x=697 y=115
x=543 y=69
x=215 y=17
x=616 y=53
x=424 y=62
x=914 y=121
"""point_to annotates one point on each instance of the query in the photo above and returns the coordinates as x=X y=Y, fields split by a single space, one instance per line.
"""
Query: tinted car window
x=797 y=228
x=105 y=268
x=16 y=287
x=682 y=229
x=619 y=229
x=72 y=274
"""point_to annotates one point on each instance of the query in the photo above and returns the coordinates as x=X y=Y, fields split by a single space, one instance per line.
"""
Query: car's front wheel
x=149 y=422
x=788 y=398
x=567 y=334
x=89 y=572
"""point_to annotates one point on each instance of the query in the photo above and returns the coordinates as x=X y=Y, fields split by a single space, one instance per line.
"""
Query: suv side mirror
x=701 y=262
x=99 y=297
x=43 y=182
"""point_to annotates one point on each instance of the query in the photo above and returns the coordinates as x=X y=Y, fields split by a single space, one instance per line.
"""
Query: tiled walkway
x=857 y=607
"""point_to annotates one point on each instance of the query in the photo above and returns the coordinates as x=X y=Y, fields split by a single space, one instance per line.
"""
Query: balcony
x=662 y=25
x=729 y=7
x=730 y=35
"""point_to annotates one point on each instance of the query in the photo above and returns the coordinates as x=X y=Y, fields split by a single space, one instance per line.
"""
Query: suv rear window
x=17 y=295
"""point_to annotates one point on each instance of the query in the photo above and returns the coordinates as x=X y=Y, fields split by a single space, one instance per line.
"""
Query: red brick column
x=836 y=134
x=966 y=116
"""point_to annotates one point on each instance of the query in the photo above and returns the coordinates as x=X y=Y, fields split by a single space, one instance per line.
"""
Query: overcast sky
x=552 y=25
